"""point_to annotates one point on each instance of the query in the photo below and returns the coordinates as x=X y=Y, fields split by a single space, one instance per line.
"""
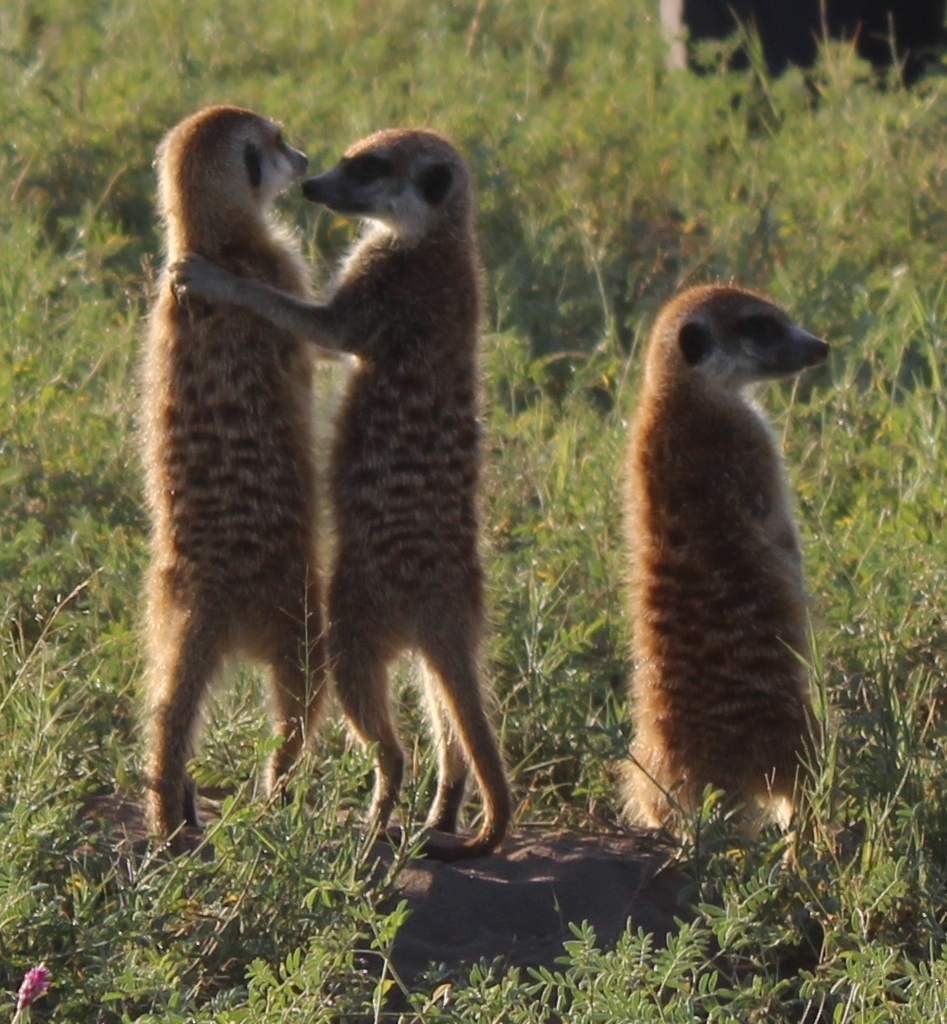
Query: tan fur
x=717 y=602
x=230 y=482
x=406 y=460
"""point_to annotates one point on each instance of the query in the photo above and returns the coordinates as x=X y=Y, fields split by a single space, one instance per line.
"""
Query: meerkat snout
x=272 y=165
x=324 y=189
x=408 y=193
x=814 y=349
x=754 y=347
x=358 y=185
x=299 y=161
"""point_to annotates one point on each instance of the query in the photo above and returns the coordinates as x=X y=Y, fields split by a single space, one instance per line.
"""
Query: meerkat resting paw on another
x=717 y=602
x=406 y=459
x=228 y=440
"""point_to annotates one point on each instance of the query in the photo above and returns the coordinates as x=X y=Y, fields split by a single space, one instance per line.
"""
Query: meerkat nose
x=312 y=189
x=816 y=349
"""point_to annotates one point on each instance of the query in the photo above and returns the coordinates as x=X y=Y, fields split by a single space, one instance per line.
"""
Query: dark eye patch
x=758 y=327
x=363 y=170
x=253 y=163
x=434 y=181
x=696 y=342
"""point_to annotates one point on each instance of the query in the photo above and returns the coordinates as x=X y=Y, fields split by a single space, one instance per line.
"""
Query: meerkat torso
x=717 y=601
x=229 y=432
x=230 y=437
x=406 y=454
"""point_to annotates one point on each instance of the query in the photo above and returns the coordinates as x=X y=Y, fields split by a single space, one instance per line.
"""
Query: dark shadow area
x=905 y=32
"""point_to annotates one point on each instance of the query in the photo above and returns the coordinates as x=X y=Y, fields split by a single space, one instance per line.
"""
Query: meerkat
x=228 y=456
x=717 y=605
x=405 y=460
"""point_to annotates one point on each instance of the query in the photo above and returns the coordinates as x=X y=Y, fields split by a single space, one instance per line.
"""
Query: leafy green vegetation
x=604 y=184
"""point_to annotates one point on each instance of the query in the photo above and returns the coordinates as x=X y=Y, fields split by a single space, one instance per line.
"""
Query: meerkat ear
x=696 y=342
x=434 y=181
x=253 y=163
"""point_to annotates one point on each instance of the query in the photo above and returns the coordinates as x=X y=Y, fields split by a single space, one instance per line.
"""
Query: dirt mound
x=515 y=904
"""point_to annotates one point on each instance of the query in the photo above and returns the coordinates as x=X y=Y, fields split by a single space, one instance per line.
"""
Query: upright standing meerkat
x=228 y=454
x=406 y=459
x=717 y=602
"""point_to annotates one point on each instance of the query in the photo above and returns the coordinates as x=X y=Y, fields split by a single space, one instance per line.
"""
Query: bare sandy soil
x=515 y=904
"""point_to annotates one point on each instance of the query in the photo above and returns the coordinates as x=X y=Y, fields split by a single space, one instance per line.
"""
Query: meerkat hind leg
x=361 y=677
x=189 y=656
x=454 y=666
x=646 y=802
x=451 y=759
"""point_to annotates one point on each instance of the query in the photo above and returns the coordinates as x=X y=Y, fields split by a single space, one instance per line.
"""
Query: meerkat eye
x=696 y=342
x=760 y=328
x=368 y=168
x=434 y=181
x=253 y=162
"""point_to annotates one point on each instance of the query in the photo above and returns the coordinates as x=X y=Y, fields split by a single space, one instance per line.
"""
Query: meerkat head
x=732 y=337
x=410 y=180
x=223 y=166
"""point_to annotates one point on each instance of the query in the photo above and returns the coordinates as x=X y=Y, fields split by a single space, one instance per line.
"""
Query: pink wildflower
x=35 y=983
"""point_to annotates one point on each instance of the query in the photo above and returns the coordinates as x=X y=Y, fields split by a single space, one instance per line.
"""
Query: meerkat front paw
x=198 y=278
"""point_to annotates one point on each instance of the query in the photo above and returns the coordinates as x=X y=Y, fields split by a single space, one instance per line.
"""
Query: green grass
x=604 y=184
